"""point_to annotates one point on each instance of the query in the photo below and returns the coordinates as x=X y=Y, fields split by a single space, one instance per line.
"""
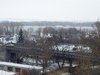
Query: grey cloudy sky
x=50 y=10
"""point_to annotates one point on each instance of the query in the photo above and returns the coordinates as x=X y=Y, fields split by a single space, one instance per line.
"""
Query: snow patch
x=6 y=73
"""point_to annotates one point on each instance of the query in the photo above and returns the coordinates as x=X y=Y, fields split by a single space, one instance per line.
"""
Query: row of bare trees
x=86 y=64
x=55 y=38
x=49 y=37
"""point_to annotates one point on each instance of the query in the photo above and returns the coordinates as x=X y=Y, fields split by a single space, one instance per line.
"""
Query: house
x=20 y=69
x=8 y=39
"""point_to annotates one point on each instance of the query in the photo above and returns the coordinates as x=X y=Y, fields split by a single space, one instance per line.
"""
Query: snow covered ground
x=6 y=73
x=55 y=66
x=66 y=74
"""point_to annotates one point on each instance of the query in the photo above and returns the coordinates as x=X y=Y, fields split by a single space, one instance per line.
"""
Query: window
x=10 y=69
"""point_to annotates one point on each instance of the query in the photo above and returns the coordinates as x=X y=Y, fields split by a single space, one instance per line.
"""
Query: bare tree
x=45 y=44
x=93 y=41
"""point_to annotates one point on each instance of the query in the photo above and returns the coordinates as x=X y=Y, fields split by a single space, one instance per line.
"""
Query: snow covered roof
x=72 y=48
x=6 y=73
x=20 y=65
x=8 y=39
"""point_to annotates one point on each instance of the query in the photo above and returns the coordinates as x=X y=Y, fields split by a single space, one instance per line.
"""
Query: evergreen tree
x=21 y=38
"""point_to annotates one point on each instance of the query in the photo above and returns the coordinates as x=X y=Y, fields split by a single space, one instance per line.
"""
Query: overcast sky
x=50 y=10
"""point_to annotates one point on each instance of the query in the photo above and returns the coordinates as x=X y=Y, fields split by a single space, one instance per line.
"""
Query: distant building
x=4 y=39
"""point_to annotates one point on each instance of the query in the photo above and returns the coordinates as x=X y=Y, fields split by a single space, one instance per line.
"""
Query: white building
x=8 y=39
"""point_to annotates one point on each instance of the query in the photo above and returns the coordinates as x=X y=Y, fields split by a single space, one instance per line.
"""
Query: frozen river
x=61 y=26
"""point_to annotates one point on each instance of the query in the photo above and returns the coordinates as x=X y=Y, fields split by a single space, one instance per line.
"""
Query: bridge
x=12 y=52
